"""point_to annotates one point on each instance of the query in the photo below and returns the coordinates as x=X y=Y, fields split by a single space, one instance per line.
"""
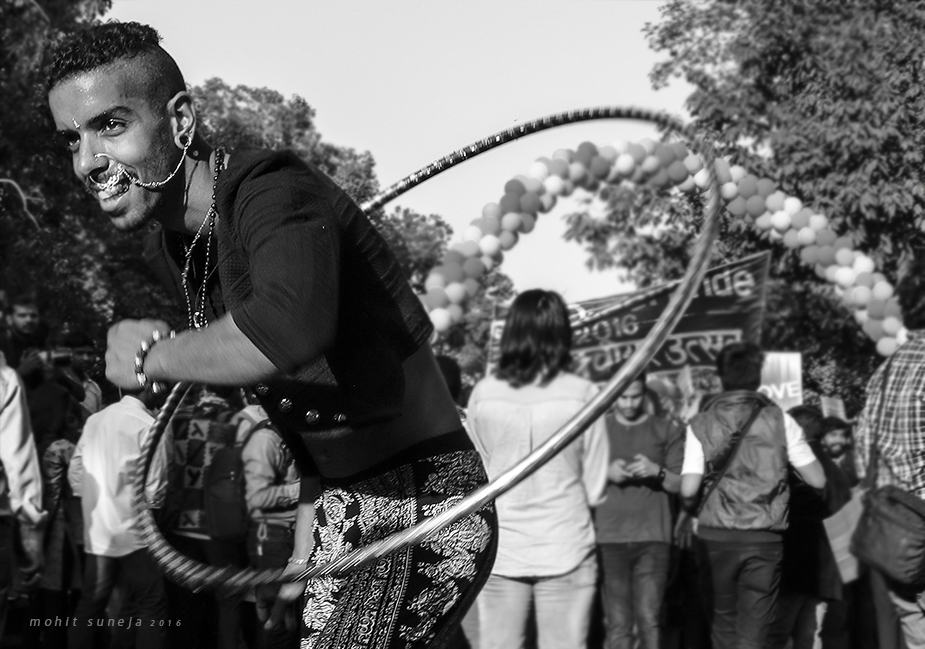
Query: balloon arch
x=758 y=201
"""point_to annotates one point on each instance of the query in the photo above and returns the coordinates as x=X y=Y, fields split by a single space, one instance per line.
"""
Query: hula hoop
x=196 y=576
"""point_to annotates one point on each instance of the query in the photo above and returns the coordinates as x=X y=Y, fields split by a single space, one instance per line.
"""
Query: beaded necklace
x=195 y=303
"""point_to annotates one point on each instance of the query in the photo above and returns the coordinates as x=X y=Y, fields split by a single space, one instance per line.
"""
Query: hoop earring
x=157 y=184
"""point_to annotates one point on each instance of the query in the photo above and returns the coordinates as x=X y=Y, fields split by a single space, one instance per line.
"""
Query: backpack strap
x=263 y=423
x=738 y=436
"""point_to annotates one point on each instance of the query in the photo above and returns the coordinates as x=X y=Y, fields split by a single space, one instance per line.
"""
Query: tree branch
x=38 y=8
x=25 y=200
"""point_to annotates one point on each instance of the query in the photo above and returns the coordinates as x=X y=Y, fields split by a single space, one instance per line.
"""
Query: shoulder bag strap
x=873 y=454
x=263 y=423
x=739 y=435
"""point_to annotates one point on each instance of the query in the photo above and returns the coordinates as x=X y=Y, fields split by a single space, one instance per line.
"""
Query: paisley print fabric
x=412 y=598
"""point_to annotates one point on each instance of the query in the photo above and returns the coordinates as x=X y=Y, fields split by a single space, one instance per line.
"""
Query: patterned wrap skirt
x=413 y=598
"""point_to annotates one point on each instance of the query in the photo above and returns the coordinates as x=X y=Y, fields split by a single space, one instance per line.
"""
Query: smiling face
x=837 y=441
x=109 y=122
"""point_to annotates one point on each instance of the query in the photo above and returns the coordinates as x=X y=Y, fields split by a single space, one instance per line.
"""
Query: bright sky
x=411 y=81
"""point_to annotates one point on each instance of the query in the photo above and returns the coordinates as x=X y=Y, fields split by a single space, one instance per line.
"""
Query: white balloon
x=844 y=276
x=472 y=233
x=860 y=316
x=807 y=236
x=864 y=264
x=737 y=172
x=792 y=205
x=441 y=320
x=538 y=170
x=490 y=245
x=831 y=273
x=702 y=178
x=780 y=221
x=625 y=164
x=902 y=336
x=554 y=185
x=728 y=191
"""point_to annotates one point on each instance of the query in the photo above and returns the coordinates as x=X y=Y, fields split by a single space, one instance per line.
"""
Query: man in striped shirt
x=900 y=429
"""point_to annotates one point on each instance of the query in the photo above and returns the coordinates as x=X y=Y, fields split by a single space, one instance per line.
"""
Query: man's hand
x=684 y=530
x=617 y=472
x=31 y=362
x=275 y=605
x=642 y=467
x=123 y=343
x=32 y=542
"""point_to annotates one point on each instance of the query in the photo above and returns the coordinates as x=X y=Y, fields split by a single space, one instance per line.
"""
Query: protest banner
x=728 y=307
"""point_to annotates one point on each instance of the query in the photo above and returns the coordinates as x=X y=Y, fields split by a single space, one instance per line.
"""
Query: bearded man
x=290 y=291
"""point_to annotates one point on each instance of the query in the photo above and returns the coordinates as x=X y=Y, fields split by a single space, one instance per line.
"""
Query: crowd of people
x=614 y=543
x=704 y=533
x=645 y=531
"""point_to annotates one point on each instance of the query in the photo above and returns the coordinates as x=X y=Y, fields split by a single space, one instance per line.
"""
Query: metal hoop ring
x=196 y=576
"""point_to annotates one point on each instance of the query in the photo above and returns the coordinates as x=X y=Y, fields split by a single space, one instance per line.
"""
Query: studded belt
x=297 y=406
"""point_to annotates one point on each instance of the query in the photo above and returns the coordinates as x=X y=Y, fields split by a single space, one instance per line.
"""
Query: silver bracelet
x=146 y=346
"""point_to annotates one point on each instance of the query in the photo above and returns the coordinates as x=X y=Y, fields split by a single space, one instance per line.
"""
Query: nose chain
x=195 y=300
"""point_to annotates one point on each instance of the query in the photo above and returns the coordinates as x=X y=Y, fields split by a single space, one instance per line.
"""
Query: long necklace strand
x=195 y=303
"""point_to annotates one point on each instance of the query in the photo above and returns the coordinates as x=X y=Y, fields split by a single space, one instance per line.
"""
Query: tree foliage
x=259 y=117
x=826 y=99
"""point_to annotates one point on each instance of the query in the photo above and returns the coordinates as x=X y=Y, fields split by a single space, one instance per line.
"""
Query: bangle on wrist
x=298 y=562
x=661 y=473
x=146 y=346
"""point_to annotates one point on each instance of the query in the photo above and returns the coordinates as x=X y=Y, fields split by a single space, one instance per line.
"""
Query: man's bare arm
x=690 y=490
x=220 y=354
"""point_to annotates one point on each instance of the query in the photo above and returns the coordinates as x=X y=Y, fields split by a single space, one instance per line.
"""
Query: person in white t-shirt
x=546 y=547
x=740 y=444
x=102 y=472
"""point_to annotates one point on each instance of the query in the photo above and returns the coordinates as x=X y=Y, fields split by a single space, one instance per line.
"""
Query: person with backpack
x=206 y=513
x=271 y=496
x=739 y=446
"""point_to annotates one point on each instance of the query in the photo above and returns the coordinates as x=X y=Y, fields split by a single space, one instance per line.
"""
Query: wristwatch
x=661 y=473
